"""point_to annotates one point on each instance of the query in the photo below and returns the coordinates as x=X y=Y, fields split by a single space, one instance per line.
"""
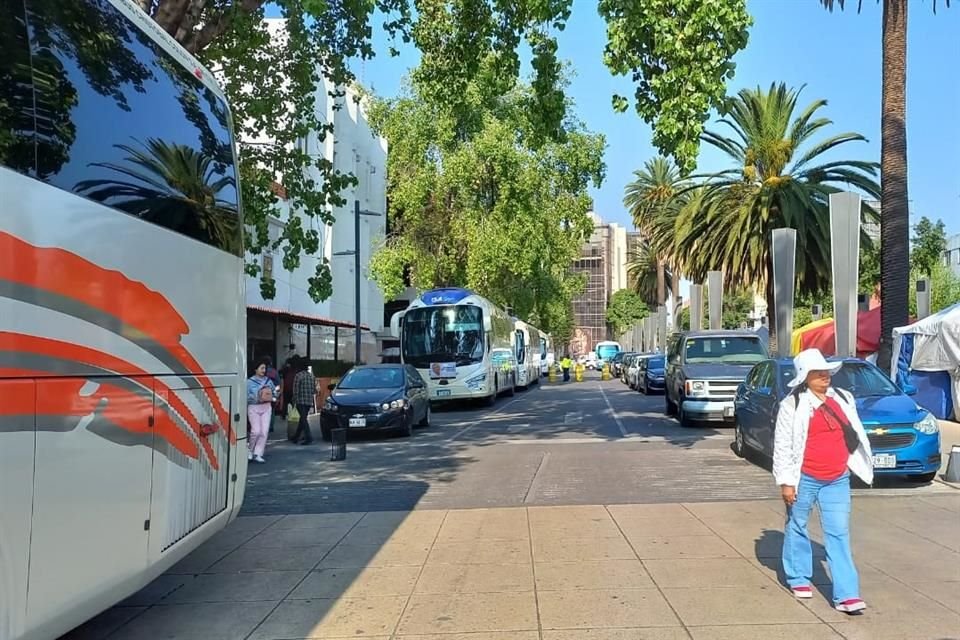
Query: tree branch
x=218 y=25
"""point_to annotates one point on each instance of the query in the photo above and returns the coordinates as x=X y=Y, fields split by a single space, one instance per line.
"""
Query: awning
x=305 y=318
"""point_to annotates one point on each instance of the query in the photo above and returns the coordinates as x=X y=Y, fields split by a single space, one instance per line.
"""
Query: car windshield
x=658 y=362
x=725 y=350
x=861 y=379
x=448 y=333
x=378 y=378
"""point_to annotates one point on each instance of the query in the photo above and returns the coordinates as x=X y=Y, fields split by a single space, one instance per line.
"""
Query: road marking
x=573 y=417
x=623 y=430
x=486 y=415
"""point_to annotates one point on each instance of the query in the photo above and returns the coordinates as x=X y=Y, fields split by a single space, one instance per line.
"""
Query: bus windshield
x=606 y=351
x=447 y=333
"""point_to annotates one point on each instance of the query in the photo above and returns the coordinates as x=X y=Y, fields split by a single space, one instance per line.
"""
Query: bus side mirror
x=395 y=324
x=487 y=324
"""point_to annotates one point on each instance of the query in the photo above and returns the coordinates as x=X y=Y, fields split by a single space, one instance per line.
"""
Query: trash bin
x=953 y=465
x=338 y=444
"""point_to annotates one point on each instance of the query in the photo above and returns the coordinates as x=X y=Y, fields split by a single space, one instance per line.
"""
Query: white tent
x=931 y=345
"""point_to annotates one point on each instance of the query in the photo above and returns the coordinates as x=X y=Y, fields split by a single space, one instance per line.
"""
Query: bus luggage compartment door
x=190 y=477
x=91 y=495
x=17 y=440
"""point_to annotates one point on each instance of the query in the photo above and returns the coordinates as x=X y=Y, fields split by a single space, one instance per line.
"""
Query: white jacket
x=790 y=437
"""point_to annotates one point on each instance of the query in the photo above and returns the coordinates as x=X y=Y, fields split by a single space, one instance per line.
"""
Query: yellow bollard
x=578 y=372
x=552 y=373
x=605 y=373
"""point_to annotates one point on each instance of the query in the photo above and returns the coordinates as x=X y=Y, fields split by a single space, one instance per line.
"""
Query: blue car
x=651 y=374
x=904 y=437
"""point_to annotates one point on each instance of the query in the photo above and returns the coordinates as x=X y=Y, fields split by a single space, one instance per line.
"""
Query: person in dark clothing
x=304 y=394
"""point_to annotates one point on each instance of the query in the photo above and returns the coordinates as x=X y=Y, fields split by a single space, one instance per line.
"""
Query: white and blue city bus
x=605 y=351
x=449 y=335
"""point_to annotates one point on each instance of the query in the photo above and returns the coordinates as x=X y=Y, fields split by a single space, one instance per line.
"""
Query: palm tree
x=653 y=199
x=644 y=270
x=775 y=182
x=894 y=208
x=173 y=185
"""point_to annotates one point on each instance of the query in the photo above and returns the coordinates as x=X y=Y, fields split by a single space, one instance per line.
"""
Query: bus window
x=120 y=122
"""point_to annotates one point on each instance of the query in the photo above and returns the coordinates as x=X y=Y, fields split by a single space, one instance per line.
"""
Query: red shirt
x=825 y=457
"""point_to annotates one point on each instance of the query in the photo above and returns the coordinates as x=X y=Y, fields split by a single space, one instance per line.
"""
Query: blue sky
x=837 y=56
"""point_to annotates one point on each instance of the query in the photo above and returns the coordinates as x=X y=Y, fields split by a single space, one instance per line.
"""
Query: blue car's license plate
x=884 y=461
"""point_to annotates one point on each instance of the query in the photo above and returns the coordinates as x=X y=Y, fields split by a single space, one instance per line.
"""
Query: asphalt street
x=555 y=444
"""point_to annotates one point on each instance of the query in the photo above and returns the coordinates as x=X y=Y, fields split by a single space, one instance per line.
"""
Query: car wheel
x=669 y=409
x=646 y=386
x=923 y=477
x=426 y=418
x=406 y=430
x=739 y=444
x=682 y=417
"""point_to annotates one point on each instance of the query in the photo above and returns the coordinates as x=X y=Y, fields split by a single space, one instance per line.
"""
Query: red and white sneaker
x=852 y=606
x=803 y=591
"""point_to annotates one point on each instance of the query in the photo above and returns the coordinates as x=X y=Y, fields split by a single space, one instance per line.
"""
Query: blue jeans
x=833 y=498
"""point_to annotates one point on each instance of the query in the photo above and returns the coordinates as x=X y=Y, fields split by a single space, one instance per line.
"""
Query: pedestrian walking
x=274 y=376
x=565 y=365
x=261 y=393
x=818 y=441
x=304 y=396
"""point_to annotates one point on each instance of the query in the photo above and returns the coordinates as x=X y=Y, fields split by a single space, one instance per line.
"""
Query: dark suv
x=704 y=369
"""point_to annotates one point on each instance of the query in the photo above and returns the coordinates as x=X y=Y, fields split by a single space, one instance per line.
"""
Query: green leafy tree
x=487 y=200
x=775 y=181
x=894 y=201
x=929 y=243
x=465 y=48
x=679 y=53
x=625 y=309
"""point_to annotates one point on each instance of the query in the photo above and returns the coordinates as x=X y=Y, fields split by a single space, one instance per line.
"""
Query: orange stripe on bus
x=67 y=274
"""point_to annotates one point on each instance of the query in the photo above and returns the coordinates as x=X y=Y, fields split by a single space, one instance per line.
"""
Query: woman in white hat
x=819 y=440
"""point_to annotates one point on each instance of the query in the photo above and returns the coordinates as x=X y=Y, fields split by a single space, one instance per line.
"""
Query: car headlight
x=330 y=406
x=927 y=425
x=697 y=388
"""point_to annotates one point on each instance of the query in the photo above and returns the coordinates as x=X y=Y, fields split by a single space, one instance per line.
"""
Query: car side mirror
x=331 y=387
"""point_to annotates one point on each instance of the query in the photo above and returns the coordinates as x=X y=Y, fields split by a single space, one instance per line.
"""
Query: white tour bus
x=122 y=322
x=547 y=356
x=527 y=349
x=449 y=335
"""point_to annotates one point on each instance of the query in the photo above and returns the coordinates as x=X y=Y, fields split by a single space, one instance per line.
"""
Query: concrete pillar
x=784 y=256
x=662 y=329
x=715 y=293
x=696 y=307
x=845 y=254
x=923 y=298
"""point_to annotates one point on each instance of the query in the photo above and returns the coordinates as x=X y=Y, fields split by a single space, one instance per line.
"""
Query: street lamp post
x=356 y=268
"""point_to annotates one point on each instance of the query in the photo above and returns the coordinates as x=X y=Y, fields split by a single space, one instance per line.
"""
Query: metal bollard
x=953 y=465
x=338 y=444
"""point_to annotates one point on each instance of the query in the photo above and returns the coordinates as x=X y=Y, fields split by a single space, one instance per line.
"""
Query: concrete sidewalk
x=656 y=572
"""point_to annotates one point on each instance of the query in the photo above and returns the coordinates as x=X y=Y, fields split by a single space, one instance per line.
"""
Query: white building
x=951 y=256
x=287 y=319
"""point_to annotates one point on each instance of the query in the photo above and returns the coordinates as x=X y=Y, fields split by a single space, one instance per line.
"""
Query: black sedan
x=381 y=397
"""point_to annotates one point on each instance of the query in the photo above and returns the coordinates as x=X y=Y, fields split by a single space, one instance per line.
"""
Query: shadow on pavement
x=768 y=550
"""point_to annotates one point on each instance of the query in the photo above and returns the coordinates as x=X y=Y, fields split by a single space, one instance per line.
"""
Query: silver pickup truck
x=704 y=369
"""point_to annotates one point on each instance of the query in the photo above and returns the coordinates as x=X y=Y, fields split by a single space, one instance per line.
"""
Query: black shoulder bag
x=850 y=437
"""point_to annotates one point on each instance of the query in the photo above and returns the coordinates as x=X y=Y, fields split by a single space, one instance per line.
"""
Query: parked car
x=651 y=374
x=633 y=371
x=704 y=369
x=616 y=363
x=379 y=397
x=905 y=438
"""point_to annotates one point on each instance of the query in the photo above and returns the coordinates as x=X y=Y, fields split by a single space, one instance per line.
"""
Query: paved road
x=565 y=444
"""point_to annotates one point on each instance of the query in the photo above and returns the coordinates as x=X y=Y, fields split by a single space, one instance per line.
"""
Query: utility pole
x=356 y=269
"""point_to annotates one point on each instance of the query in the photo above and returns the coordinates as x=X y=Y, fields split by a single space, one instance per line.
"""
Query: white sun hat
x=811 y=360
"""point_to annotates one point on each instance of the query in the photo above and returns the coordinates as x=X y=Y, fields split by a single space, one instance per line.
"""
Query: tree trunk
x=675 y=294
x=894 y=207
x=661 y=283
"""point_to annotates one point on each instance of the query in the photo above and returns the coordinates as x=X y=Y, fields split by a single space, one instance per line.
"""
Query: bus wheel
x=513 y=386
x=492 y=398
